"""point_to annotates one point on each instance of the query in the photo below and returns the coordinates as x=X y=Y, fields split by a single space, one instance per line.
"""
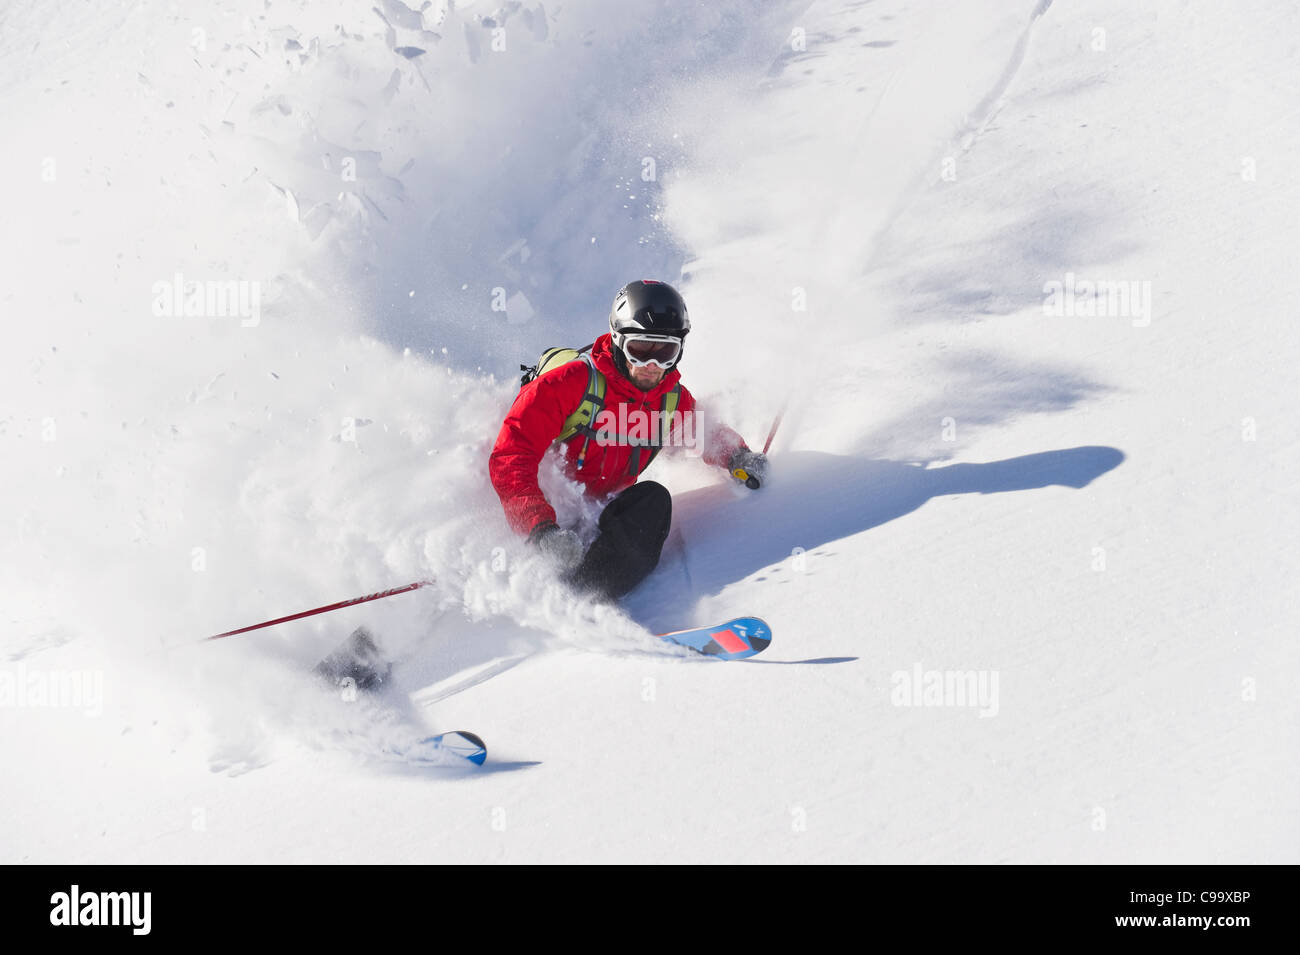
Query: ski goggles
x=642 y=350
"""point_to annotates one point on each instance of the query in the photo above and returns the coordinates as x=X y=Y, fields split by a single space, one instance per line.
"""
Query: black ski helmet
x=649 y=306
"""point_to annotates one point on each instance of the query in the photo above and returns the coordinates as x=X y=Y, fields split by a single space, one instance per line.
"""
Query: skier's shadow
x=814 y=498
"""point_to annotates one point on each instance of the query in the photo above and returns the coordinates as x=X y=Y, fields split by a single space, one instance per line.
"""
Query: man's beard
x=626 y=370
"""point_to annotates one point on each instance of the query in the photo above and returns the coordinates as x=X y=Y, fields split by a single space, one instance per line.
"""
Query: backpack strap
x=593 y=402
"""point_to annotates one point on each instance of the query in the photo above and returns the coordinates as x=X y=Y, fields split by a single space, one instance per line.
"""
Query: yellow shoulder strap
x=590 y=407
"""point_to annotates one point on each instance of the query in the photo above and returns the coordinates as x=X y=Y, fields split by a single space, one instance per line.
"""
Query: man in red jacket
x=610 y=413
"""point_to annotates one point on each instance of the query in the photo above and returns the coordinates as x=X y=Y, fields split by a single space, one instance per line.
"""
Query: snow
x=1092 y=510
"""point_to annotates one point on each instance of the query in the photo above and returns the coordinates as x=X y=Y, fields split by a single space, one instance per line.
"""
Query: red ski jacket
x=537 y=418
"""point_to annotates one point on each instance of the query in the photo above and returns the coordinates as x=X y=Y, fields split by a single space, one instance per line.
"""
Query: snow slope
x=863 y=204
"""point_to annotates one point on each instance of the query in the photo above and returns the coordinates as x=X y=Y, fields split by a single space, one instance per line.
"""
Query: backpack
x=580 y=422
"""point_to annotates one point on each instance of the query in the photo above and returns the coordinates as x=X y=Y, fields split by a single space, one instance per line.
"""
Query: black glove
x=562 y=546
x=748 y=467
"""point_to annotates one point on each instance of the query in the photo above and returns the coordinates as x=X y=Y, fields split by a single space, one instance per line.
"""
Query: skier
x=600 y=408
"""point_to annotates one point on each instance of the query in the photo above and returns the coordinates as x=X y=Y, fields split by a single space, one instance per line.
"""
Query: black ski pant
x=633 y=528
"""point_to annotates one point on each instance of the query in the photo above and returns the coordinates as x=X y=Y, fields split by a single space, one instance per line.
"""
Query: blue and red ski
x=431 y=749
x=463 y=743
x=736 y=639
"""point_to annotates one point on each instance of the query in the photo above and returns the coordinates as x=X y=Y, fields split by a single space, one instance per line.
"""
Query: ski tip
x=463 y=743
x=744 y=637
x=737 y=639
x=472 y=737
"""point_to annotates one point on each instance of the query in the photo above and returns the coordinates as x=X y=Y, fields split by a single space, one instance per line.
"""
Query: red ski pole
x=336 y=606
x=776 y=423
